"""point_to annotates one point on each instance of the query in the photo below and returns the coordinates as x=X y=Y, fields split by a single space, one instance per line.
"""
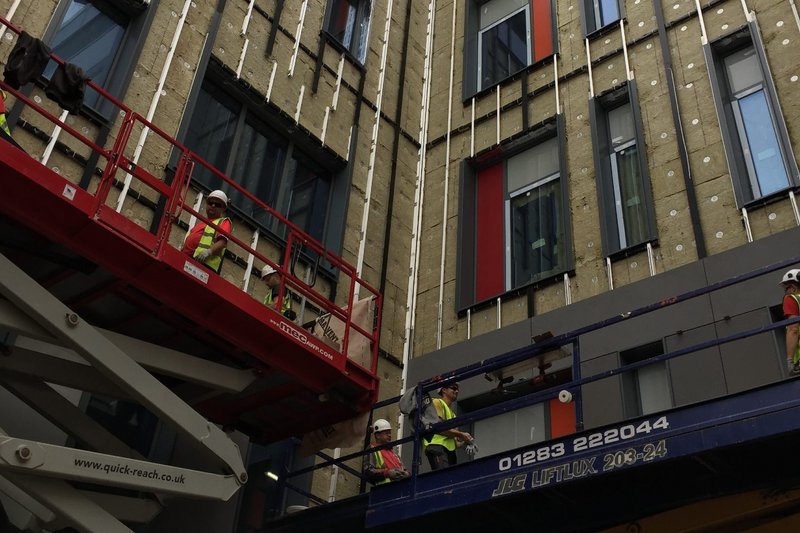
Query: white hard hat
x=218 y=194
x=266 y=271
x=381 y=425
x=791 y=276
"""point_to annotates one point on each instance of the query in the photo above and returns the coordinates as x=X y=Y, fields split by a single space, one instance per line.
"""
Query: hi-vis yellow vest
x=285 y=304
x=3 y=121
x=379 y=464
x=213 y=262
x=447 y=442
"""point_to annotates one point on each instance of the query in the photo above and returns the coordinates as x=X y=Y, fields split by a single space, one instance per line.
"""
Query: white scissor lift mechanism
x=53 y=345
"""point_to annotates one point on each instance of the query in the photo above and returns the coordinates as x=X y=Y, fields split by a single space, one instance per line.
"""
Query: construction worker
x=3 y=120
x=791 y=309
x=272 y=278
x=205 y=243
x=383 y=465
x=441 y=450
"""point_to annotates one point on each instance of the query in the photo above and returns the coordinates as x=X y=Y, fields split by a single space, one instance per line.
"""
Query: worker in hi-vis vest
x=3 y=120
x=441 y=450
x=791 y=309
x=272 y=278
x=383 y=466
x=206 y=243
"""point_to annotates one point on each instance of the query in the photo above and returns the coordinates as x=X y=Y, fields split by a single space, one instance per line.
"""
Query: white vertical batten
x=10 y=15
x=154 y=102
x=297 y=34
x=446 y=195
x=48 y=150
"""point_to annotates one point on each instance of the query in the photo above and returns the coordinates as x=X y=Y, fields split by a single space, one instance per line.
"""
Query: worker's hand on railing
x=471 y=449
x=398 y=473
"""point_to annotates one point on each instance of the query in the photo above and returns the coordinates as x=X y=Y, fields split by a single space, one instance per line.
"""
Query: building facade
x=497 y=169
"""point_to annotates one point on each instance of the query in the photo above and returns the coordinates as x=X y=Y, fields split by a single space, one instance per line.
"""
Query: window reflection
x=90 y=39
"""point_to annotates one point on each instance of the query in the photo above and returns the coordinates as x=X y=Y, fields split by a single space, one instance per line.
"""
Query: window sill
x=540 y=283
x=764 y=201
x=632 y=250
x=599 y=32
x=512 y=77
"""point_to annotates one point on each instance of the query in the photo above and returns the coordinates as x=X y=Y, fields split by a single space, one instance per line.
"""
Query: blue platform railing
x=574 y=385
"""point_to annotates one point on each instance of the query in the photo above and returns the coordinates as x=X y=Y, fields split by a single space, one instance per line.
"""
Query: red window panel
x=542 y=29
x=489 y=233
x=562 y=418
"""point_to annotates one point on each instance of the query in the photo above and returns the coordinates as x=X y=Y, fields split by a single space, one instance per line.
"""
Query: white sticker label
x=69 y=192
x=195 y=271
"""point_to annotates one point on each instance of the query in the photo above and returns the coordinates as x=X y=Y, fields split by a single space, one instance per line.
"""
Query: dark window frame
x=589 y=18
x=468 y=217
x=331 y=37
x=470 y=82
x=313 y=156
x=715 y=53
x=629 y=381
x=599 y=107
x=137 y=17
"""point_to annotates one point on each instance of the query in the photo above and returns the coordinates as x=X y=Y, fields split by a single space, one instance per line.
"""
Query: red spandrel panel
x=489 y=231
x=542 y=29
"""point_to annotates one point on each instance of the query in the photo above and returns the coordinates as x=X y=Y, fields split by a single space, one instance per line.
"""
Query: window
x=756 y=141
x=534 y=212
x=238 y=142
x=513 y=227
x=505 y=45
x=348 y=23
x=627 y=218
x=647 y=389
x=599 y=14
x=98 y=37
x=504 y=37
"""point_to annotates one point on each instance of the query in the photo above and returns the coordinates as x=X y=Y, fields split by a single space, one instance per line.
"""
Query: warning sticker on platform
x=195 y=271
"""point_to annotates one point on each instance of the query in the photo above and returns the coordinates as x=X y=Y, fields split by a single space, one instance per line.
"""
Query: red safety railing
x=172 y=189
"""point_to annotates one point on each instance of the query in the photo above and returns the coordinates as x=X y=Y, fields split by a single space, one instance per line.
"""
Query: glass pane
x=762 y=143
x=495 y=10
x=742 y=70
x=89 y=39
x=609 y=12
x=504 y=49
x=256 y=167
x=654 y=388
x=343 y=17
x=360 y=49
x=620 y=125
x=211 y=133
x=533 y=165
x=309 y=202
x=537 y=240
x=632 y=200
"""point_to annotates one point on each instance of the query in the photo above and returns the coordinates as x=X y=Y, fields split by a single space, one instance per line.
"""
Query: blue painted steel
x=728 y=421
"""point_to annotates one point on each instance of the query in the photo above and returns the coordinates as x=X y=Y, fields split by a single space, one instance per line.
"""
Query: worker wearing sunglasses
x=207 y=243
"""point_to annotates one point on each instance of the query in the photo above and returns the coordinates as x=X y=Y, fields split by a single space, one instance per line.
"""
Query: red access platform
x=128 y=278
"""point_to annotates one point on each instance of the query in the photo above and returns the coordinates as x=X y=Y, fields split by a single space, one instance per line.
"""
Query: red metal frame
x=90 y=227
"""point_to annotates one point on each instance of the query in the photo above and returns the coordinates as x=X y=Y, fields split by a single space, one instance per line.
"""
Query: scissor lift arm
x=46 y=335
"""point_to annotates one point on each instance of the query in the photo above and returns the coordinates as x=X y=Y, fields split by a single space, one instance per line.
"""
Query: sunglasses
x=215 y=204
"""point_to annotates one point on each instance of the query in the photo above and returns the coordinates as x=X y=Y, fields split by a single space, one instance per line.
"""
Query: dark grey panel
x=753 y=361
x=699 y=375
x=602 y=400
